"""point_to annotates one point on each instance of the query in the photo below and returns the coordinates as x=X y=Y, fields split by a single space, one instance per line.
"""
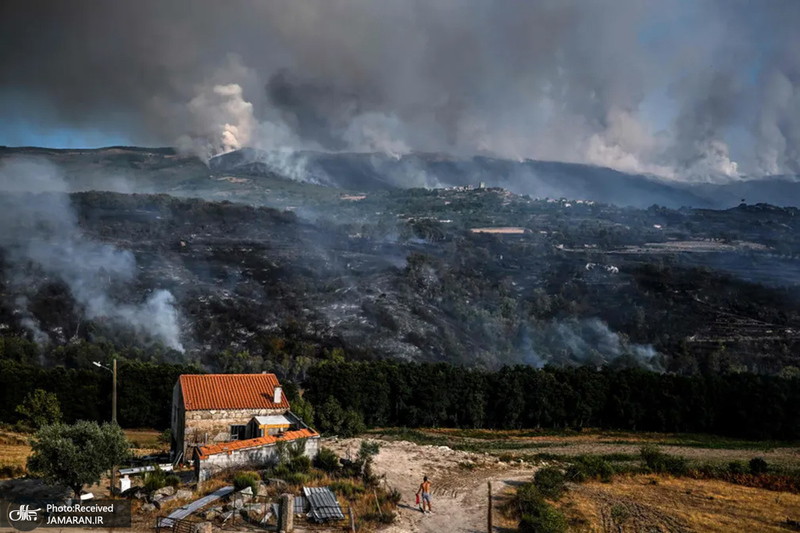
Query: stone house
x=212 y=409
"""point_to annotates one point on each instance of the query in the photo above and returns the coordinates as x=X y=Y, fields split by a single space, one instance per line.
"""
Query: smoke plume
x=685 y=90
x=38 y=226
x=583 y=342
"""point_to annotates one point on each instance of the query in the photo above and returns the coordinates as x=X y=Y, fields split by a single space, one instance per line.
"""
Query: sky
x=682 y=89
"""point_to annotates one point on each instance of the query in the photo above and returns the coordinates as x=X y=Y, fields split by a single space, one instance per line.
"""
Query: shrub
x=758 y=466
x=346 y=489
x=737 y=467
x=327 y=461
x=591 y=467
x=297 y=478
x=300 y=465
x=662 y=463
x=11 y=471
x=242 y=480
x=165 y=438
x=576 y=473
x=525 y=500
x=173 y=480
x=549 y=482
x=543 y=519
x=157 y=479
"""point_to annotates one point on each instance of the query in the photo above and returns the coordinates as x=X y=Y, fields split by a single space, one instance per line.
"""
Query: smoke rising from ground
x=685 y=90
x=38 y=226
x=583 y=342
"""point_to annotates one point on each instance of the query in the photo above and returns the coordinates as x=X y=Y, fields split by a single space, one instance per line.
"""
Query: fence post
x=490 y=509
x=352 y=519
x=286 y=524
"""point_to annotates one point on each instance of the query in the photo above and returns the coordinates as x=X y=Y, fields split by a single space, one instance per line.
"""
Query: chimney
x=278 y=398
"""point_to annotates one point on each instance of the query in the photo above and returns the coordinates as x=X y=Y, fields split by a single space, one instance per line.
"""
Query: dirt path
x=459 y=491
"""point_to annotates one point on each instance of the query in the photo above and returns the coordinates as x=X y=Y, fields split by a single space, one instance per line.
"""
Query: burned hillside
x=402 y=274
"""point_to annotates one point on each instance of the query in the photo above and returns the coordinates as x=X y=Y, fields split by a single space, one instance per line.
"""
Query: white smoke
x=221 y=120
x=582 y=342
x=42 y=229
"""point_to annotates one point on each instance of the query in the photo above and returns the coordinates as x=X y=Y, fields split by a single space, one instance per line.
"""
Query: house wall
x=177 y=421
x=249 y=458
x=208 y=427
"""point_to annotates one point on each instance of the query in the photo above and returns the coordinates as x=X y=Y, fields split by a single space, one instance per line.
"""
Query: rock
x=211 y=514
x=183 y=494
x=147 y=508
x=262 y=489
x=202 y=527
x=234 y=504
x=161 y=500
x=139 y=495
x=247 y=491
x=165 y=491
x=276 y=482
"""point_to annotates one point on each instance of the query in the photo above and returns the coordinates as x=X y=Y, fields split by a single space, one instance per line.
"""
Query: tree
x=76 y=455
x=40 y=408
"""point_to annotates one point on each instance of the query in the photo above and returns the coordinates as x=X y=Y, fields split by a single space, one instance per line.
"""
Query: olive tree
x=76 y=455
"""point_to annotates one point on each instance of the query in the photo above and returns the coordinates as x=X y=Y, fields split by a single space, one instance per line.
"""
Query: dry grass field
x=545 y=444
x=649 y=503
x=14 y=447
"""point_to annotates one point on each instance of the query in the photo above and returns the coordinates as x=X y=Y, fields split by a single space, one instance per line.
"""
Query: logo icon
x=25 y=516
x=24 y=513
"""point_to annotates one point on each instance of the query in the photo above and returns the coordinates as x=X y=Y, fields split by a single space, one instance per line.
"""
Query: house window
x=238 y=432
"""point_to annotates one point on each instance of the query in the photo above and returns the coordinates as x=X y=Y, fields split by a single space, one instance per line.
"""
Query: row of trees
x=343 y=397
x=389 y=393
x=144 y=391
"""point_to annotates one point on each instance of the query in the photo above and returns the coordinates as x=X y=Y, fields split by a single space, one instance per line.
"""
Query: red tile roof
x=214 y=449
x=230 y=391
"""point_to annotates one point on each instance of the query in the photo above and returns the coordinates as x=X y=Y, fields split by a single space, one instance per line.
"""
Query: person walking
x=425 y=489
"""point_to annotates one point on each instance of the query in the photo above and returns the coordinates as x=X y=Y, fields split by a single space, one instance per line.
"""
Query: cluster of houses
x=222 y=421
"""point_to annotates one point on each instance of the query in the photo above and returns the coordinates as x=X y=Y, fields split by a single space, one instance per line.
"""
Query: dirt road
x=459 y=483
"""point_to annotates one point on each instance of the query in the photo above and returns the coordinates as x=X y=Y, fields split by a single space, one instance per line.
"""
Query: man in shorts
x=425 y=489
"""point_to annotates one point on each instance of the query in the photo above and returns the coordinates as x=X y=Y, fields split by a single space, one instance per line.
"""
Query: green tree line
x=144 y=391
x=389 y=393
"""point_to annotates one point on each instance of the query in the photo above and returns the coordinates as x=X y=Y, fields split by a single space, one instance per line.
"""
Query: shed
x=263 y=426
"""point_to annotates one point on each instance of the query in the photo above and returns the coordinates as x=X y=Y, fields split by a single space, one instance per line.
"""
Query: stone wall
x=214 y=426
x=256 y=458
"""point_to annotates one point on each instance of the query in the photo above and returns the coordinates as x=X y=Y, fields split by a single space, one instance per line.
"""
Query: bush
x=662 y=463
x=173 y=480
x=327 y=461
x=300 y=465
x=590 y=467
x=165 y=438
x=549 y=482
x=242 y=480
x=11 y=471
x=347 y=489
x=737 y=467
x=544 y=519
x=758 y=466
x=526 y=500
x=576 y=473
x=157 y=479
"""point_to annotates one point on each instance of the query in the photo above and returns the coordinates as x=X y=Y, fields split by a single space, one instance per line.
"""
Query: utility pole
x=114 y=395
x=113 y=371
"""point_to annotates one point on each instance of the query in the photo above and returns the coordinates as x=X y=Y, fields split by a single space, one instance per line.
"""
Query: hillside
x=414 y=274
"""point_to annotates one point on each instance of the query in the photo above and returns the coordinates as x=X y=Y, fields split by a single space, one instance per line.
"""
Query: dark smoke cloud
x=571 y=80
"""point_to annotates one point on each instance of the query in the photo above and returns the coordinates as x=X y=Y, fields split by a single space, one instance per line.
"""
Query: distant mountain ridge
x=371 y=172
x=165 y=170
